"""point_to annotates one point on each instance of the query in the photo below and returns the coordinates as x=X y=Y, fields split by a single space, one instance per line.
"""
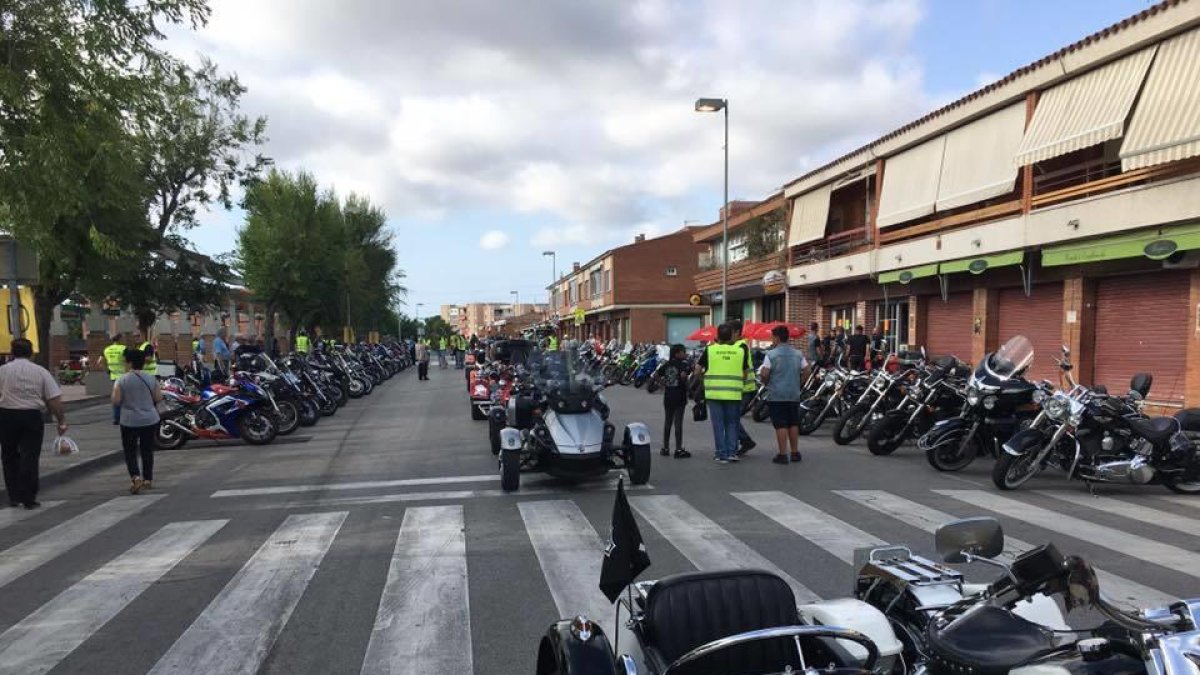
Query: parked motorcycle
x=836 y=393
x=882 y=394
x=936 y=395
x=998 y=403
x=220 y=412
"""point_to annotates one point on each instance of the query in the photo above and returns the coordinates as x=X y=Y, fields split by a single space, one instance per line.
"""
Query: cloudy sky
x=493 y=130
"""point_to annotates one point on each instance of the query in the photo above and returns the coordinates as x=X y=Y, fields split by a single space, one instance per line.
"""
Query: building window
x=596 y=282
x=607 y=281
x=772 y=308
x=842 y=316
x=672 y=271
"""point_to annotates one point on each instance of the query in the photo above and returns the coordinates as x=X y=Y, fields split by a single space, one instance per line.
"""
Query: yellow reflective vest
x=302 y=344
x=723 y=375
x=748 y=385
x=151 y=367
x=552 y=342
x=114 y=358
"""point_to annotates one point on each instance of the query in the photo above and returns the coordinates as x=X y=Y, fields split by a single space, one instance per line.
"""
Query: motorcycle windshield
x=564 y=374
x=1012 y=358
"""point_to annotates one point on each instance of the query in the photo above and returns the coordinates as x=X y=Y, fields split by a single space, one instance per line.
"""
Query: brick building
x=638 y=292
x=1061 y=202
x=486 y=318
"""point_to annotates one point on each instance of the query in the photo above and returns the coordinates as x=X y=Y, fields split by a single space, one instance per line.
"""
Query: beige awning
x=977 y=163
x=809 y=213
x=1166 y=123
x=1084 y=111
x=910 y=182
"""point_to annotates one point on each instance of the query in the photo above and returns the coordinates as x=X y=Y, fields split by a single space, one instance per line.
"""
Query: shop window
x=891 y=318
x=842 y=316
x=772 y=308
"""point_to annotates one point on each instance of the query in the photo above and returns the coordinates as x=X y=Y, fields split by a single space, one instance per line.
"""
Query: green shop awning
x=1156 y=244
x=982 y=263
x=907 y=275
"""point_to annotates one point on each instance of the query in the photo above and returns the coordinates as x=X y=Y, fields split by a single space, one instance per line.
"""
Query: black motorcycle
x=935 y=396
x=883 y=393
x=998 y=403
x=1099 y=438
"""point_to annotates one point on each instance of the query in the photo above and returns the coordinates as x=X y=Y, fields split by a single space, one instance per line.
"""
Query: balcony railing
x=832 y=246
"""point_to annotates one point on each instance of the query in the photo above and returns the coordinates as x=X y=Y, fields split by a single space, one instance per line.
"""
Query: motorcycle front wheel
x=257 y=428
x=1012 y=471
x=309 y=413
x=1182 y=487
x=170 y=437
x=288 y=417
x=887 y=435
x=356 y=389
x=955 y=455
x=811 y=416
x=850 y=424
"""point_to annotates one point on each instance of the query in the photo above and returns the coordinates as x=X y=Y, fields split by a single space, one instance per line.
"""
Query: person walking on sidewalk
x=724 y=367
x=26 y=389
x=422 y=356
x=749 y=389
x=138 y=395
x=675 y=387
x=783 y=374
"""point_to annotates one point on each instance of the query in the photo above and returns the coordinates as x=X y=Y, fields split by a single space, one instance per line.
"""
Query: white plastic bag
x=63 y=445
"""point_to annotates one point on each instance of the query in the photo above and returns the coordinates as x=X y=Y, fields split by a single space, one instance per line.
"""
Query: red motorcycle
x=488 y=387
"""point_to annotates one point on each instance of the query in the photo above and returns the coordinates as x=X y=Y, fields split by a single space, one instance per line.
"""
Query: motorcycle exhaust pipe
x=180 y=427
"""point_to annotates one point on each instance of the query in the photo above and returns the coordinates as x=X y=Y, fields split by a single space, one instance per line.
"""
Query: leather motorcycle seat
x=686 y=611
x=988 y=641
x=222 y=390
x=1189 y=419
x=1157 y=430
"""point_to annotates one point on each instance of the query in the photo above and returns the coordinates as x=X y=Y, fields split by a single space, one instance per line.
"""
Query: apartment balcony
x=741 y=273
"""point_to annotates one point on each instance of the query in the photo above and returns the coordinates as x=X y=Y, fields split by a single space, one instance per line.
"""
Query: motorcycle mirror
x=980 y=537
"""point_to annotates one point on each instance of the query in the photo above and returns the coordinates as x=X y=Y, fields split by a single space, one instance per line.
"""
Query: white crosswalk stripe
x=46 y=637
x=13 y=516
x=235 y=632
x=1137 y=512
x=359 y=485
x=836 y=536
x=36 y=551
x=1127 y=543
x=569 y=552
x=705 y=543
x=424 y=605
x=1183 y=500
x=921 y=517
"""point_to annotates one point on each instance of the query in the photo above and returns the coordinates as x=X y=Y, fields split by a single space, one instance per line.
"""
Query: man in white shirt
x=26 y=389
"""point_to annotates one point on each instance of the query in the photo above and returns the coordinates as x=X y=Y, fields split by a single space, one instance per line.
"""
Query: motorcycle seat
x=987 y=641
x=222 y=390
x=1189 y=419
x=688 y=610
x=188 y=398
x=1157 y=430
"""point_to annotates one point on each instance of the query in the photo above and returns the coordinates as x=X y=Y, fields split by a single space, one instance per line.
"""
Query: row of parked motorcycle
x=957 y=415
x=261 y=397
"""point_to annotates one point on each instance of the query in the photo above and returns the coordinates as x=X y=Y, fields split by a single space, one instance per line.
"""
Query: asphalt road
x=378 y=541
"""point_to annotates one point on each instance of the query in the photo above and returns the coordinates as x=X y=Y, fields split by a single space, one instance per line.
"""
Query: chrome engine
x=1137 y=471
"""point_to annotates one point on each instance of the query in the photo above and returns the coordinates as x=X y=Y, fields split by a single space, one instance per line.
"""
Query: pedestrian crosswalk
x=423 y=619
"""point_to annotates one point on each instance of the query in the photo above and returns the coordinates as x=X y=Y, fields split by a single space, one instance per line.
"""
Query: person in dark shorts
x=783 y=373
x=856 y=349
x=675 y=397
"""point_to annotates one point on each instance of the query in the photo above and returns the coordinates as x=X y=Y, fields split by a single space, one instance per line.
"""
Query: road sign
x=27 y=262
x=579 y=316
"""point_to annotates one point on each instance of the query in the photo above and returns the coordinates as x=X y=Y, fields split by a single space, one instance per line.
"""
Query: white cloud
x=576 y=112
x=493 y=239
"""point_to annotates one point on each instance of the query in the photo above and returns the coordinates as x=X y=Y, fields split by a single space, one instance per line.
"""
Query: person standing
x=749 y=389
x=26 y=389
x=138 y=395
x=221 y=354
x=856 y=349
x=813 y=344
x=675 y=397
x=783 y=374
x=302 y=344
x=114 y=360
x=151 y=367
x=422 y=356
x=724 y=367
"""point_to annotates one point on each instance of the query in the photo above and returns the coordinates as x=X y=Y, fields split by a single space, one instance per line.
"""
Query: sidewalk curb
x=100 y=461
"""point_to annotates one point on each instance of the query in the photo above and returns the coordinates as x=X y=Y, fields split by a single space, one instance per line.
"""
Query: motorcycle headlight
x=830 y=378
x=1039 y=396
x=973 y=397
x=1056 y=409
x=989 y=402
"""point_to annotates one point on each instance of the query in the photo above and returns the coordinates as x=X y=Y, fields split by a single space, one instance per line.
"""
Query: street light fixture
x=722 y=105
x=553 y=278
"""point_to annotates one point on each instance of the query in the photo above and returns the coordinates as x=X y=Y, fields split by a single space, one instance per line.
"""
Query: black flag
x=625 y=557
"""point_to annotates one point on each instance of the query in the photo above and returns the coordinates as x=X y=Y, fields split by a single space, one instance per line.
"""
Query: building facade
x=638 y=292
x=487 y=318
x=757 y=261
x=1061 y=202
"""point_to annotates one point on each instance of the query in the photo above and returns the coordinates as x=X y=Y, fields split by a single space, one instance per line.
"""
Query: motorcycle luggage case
x=859 y=616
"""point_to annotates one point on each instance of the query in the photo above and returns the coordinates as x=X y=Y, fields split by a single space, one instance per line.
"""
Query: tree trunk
x=269 y=329
x=145 y=319
x=44 y=301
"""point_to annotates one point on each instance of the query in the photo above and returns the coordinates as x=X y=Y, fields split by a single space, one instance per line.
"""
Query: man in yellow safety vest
x=724 y=366
x=302 y=344
x=749 y=387
x=114 y=360
x=151 y=367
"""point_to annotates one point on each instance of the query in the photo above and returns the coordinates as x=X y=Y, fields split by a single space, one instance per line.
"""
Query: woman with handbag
x=138 y=395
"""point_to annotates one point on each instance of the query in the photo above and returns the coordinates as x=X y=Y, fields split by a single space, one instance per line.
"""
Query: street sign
x=27 y=262
x=579 y=316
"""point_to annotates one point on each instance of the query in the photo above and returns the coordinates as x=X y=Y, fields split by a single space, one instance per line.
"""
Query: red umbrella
x=704 y=333
x=762 y=331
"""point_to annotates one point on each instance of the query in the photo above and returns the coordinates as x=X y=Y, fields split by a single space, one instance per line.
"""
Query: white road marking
x=236 y=631
x=570 y=553
x=36 y=551
x=705 y=543
x=921 y=517
x=456 y=495
x=1132 y=545
x=1183 y=500
x=43 y=639
x=424 y=620
x=361 y=485
x=837 y=537
x=10 y=516
x=1145 y=514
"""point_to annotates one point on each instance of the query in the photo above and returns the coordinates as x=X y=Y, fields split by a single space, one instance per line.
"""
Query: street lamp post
x=516 y=301
x=718 y=105
x=553 y=278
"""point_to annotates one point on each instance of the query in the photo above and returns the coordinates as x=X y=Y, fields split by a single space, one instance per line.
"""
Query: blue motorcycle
x=646 y=368
x=219 y=412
